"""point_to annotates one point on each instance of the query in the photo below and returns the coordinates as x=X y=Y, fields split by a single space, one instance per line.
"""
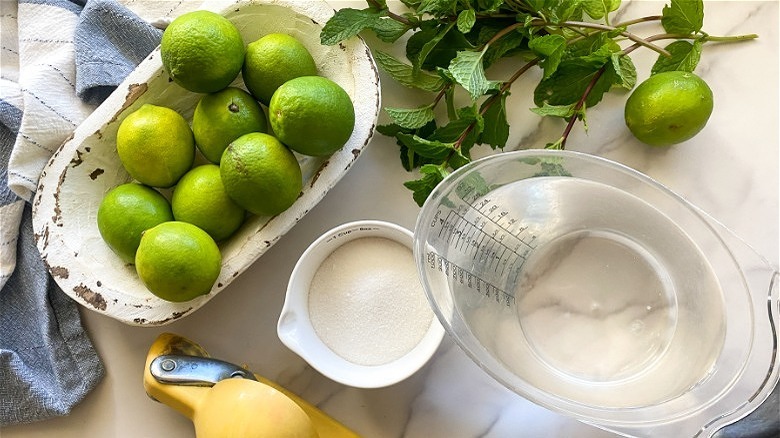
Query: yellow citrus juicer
x=225 y=400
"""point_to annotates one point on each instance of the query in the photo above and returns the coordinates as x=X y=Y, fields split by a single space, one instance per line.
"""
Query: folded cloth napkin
x=60 y=59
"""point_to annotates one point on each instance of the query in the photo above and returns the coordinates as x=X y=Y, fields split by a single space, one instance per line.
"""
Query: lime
x=178 y=261
x=668 y=108
x=312 y=115
x=125 y=212
x=155 y=145
x=224 y=116
x=202 y=51
x=273 y=60
x=200 y=199
x=261 y=174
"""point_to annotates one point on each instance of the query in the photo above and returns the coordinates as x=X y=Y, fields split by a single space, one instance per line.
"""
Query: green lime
x=273 y=60
x=125 y=212
x=261 y=174
x=155 y=145
x=178 y=261
x=312 y=115
x=202 y=51
x=224 y=116
x=200 y=199
x=668 y=108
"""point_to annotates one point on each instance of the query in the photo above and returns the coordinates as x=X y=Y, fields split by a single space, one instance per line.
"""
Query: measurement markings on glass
x=490 y=237
x=486 y=208
x=483 y=238
x=465 y=237
x=467 y=278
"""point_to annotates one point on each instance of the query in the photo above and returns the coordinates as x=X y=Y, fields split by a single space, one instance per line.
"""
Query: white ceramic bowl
x=87 y=166
x=295 y=327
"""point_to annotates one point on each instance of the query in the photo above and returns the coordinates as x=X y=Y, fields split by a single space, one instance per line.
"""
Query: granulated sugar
x=366 y=302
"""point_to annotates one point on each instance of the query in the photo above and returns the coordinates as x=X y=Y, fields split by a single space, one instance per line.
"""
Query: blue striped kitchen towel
x=60 y=58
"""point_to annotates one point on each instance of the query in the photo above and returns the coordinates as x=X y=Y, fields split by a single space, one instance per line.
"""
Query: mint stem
x=602 y=27
x=580 y=103
x=730 y=38
x=639 y=20
x=376 y=5
x=492 y=99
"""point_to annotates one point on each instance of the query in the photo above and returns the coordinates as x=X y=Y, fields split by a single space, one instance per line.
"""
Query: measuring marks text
x=486 y=237
x=468 y=279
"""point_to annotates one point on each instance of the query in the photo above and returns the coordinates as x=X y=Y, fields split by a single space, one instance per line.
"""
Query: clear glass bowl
x=593 y=290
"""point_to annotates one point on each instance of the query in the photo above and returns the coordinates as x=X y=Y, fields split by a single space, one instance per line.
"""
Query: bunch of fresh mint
x=453 y=42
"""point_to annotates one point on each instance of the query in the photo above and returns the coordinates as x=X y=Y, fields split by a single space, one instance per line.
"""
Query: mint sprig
x=452 y=43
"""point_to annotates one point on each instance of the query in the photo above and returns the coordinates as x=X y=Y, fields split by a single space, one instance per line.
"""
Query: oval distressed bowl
x=86 y=166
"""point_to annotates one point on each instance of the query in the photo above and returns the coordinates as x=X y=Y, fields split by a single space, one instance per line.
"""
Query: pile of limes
x=249 y=169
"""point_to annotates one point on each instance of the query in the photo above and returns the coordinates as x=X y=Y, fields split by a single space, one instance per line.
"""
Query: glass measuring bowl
x=593 y=290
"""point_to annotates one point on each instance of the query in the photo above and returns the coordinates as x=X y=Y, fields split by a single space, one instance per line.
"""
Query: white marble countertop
x=730 y=170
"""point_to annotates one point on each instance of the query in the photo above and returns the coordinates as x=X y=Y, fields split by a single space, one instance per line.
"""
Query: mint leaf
x=553 y=11
x=560 y=11
x=685 y=57
x=377 y=5
x=429 y=38
x=536 y=5
x=501 y=47
x=410 y=160
x=489 y=6
x=433 y=149
x=587 y=45
x=437 y=7
x=450 y=132
x=683 y=16
x=568 y=84
x=431 y=176
x=496 y=130
x=551 y=48
x=624 y=70
x=404 y=74
x=565 y=86
x=346 y=23
x=610 y=77
x=411 y=118
x=411 y=3
x=468 y=71
x=466 y=20
x=562 y=111
x=390 y=130
x=574 y=75
x=598 y=9
x=389 y=30
x=456 y=128
x=600 y=56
